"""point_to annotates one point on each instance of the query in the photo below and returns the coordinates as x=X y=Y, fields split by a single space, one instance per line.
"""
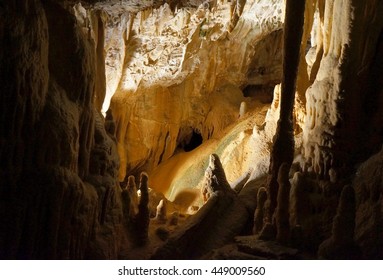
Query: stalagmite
x=282 y=217
x=142 y=217
x=283 y=147
x=161 y=212
x=220 y=219
x=242 y=109
x=341 y=243
x=189 y=85
x=368 y=185
x=259 y=213
x=298 y=200
x=215 y=179
x=132 y=191
x=174 y=218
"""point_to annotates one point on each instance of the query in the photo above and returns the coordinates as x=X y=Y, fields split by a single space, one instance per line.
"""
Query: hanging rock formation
x=93 y=91
x=337 y=120
x=183 y=64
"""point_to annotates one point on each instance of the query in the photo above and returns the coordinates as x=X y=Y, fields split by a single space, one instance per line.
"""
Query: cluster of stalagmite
x=333 y=114
x=93 y=94
x=341 y=243
x=259 y=213
x=220 y=219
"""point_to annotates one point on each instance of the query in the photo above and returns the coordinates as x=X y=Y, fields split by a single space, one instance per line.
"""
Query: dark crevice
x=191 y=141
x=263 y=93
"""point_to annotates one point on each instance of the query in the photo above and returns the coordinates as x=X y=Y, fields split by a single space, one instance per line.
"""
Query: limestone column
x=283 y=148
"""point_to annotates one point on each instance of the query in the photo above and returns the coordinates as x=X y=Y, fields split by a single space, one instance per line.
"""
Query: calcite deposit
x=242 y=129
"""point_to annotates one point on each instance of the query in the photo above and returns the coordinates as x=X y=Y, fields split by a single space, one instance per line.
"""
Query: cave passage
x=194 y=142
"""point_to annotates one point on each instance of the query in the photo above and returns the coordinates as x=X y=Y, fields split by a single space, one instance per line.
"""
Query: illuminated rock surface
x=93 y=93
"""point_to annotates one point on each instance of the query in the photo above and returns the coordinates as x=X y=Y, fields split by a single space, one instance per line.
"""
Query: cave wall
x=59 y=165
x=184 y=64
x=346 y=42
x=61 y=161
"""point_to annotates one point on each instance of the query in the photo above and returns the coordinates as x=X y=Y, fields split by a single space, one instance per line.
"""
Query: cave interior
x=191 y=129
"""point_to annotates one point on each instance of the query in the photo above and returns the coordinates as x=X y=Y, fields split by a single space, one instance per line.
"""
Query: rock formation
x=215 y=179
x=217 y=222
x=142 y=217
x=161 y=212
x=222 y=103
x=341 y=243
x=59 y=167
x=259 y=213
x=283 y=147
x=282 y=217
x=368 y=195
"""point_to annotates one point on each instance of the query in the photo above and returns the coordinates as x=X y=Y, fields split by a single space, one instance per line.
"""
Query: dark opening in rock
x=263 y=93
x=194 y=142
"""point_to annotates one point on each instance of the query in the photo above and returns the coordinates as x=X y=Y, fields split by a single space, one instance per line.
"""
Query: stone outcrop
x=150 y=70
x=282 y=215
x=58 y=164
x=161 y=214
x=341 y=243
x=283 y=142
x=193 y=92
x=259 y=213
x=337 y=121
x=368 y=186
x=215 y=179
x=220 y=219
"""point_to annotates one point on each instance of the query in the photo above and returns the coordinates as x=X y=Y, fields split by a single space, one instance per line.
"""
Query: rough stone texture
x=337 y=120
x=58 y=164
x=220 y=219
x=183 y=63
x=283 y=142
x=142 y=217
x=282 y=214
x=259 y=213
x=368 y=185
x=176 y=71
x=341 y=243
x=266 y=249
x=161 y=214
x=215 y=179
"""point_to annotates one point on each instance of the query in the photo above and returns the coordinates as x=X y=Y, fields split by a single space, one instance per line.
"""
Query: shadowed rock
x=221 y=218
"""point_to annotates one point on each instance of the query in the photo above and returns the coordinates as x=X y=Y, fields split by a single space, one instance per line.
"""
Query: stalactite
x=236 y=9
x=283 y=148
x=100 y=86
